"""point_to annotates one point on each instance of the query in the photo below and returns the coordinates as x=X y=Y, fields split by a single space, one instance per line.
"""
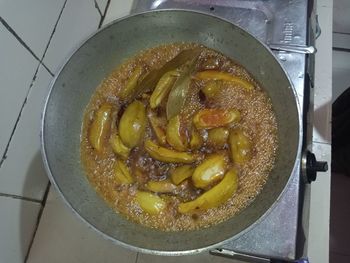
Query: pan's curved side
x=86 y=68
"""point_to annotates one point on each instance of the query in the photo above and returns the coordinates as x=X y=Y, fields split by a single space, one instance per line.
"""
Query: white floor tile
x=17 y=224
x=22 y=172
x=323 y=78
x=32 y=20
x=200 y=258
x=17 y=67
x=79 y=19
x=117 y=9
x=63 y=237
x=318 y=240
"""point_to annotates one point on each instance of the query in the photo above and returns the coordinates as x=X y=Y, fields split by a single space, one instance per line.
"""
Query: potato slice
x=119 y=147
x=181 y=173
x=217 y=137
x=131 y=84
x=224 y=76
x=150 y=203
x=122 y=173
x=163 y=88
x=240 y=146
x=211 y=89
x=169 y=156
x=174 y=136
x=213 y=118
x=196 y=140
x=211 y=170
x=132 y=124
x=100 y=126
x=164 y=186
x=158 y=126
x=214 y=197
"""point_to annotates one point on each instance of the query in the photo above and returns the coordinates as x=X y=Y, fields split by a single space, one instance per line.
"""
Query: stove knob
x=310 y=167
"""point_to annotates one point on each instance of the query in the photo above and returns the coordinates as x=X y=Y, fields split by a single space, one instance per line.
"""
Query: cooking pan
x=94 y=60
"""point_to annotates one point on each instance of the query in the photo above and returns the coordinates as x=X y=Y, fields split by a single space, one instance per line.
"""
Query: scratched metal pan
x=95 y=58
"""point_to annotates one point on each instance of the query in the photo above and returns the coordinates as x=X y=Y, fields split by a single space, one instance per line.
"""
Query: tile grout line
x=30 y=87
x=20 y=197
x=104 y=14
x=4 y=156
x=98 y=8
x=20 y=40
x=52 y=33
x=43 y=203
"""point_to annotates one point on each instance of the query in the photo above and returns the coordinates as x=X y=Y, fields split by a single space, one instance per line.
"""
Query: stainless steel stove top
x=279 y=235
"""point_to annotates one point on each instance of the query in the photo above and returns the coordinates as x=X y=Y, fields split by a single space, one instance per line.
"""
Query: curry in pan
x=179 y=137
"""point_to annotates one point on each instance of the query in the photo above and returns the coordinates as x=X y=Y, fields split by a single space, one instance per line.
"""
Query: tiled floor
x=60 y=230
x=22 y=173
x=17 y=226
x=34 y=44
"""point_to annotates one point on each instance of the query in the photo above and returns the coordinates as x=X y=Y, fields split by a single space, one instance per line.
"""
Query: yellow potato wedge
x=181 y=173
x=169 y=156
x=224 y=76
x=150 y=203
x=211 y=89
x=132 y=124
x=217 y=137
x=163 y=88
x=196 y=140
x=240 y=146
x=131 y=84
x=211 y=170
x=213 y=118
x=164 y=186
x=119 y=147
x=174 y=136
x=100 y=126
x=158 y=127
x=122 y=173
x=214 y=197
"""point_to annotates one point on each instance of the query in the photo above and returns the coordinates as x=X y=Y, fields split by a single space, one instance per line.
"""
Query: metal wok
x=94 y=59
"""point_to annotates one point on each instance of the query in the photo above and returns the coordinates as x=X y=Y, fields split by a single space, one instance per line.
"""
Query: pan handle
x=235 y=255
x=250 y=258
x=293 y=48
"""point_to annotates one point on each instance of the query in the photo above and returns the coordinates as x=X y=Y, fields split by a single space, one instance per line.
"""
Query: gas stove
x=289 y=28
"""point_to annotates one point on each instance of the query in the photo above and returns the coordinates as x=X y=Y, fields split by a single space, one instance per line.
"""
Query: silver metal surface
x=303 y=171
x=271 y=21
x=77 y=80
x=280 y=23
x=239 y=256
x=293 y=48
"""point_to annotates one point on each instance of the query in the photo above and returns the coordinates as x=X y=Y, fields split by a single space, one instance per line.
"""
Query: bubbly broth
x=257 y=121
